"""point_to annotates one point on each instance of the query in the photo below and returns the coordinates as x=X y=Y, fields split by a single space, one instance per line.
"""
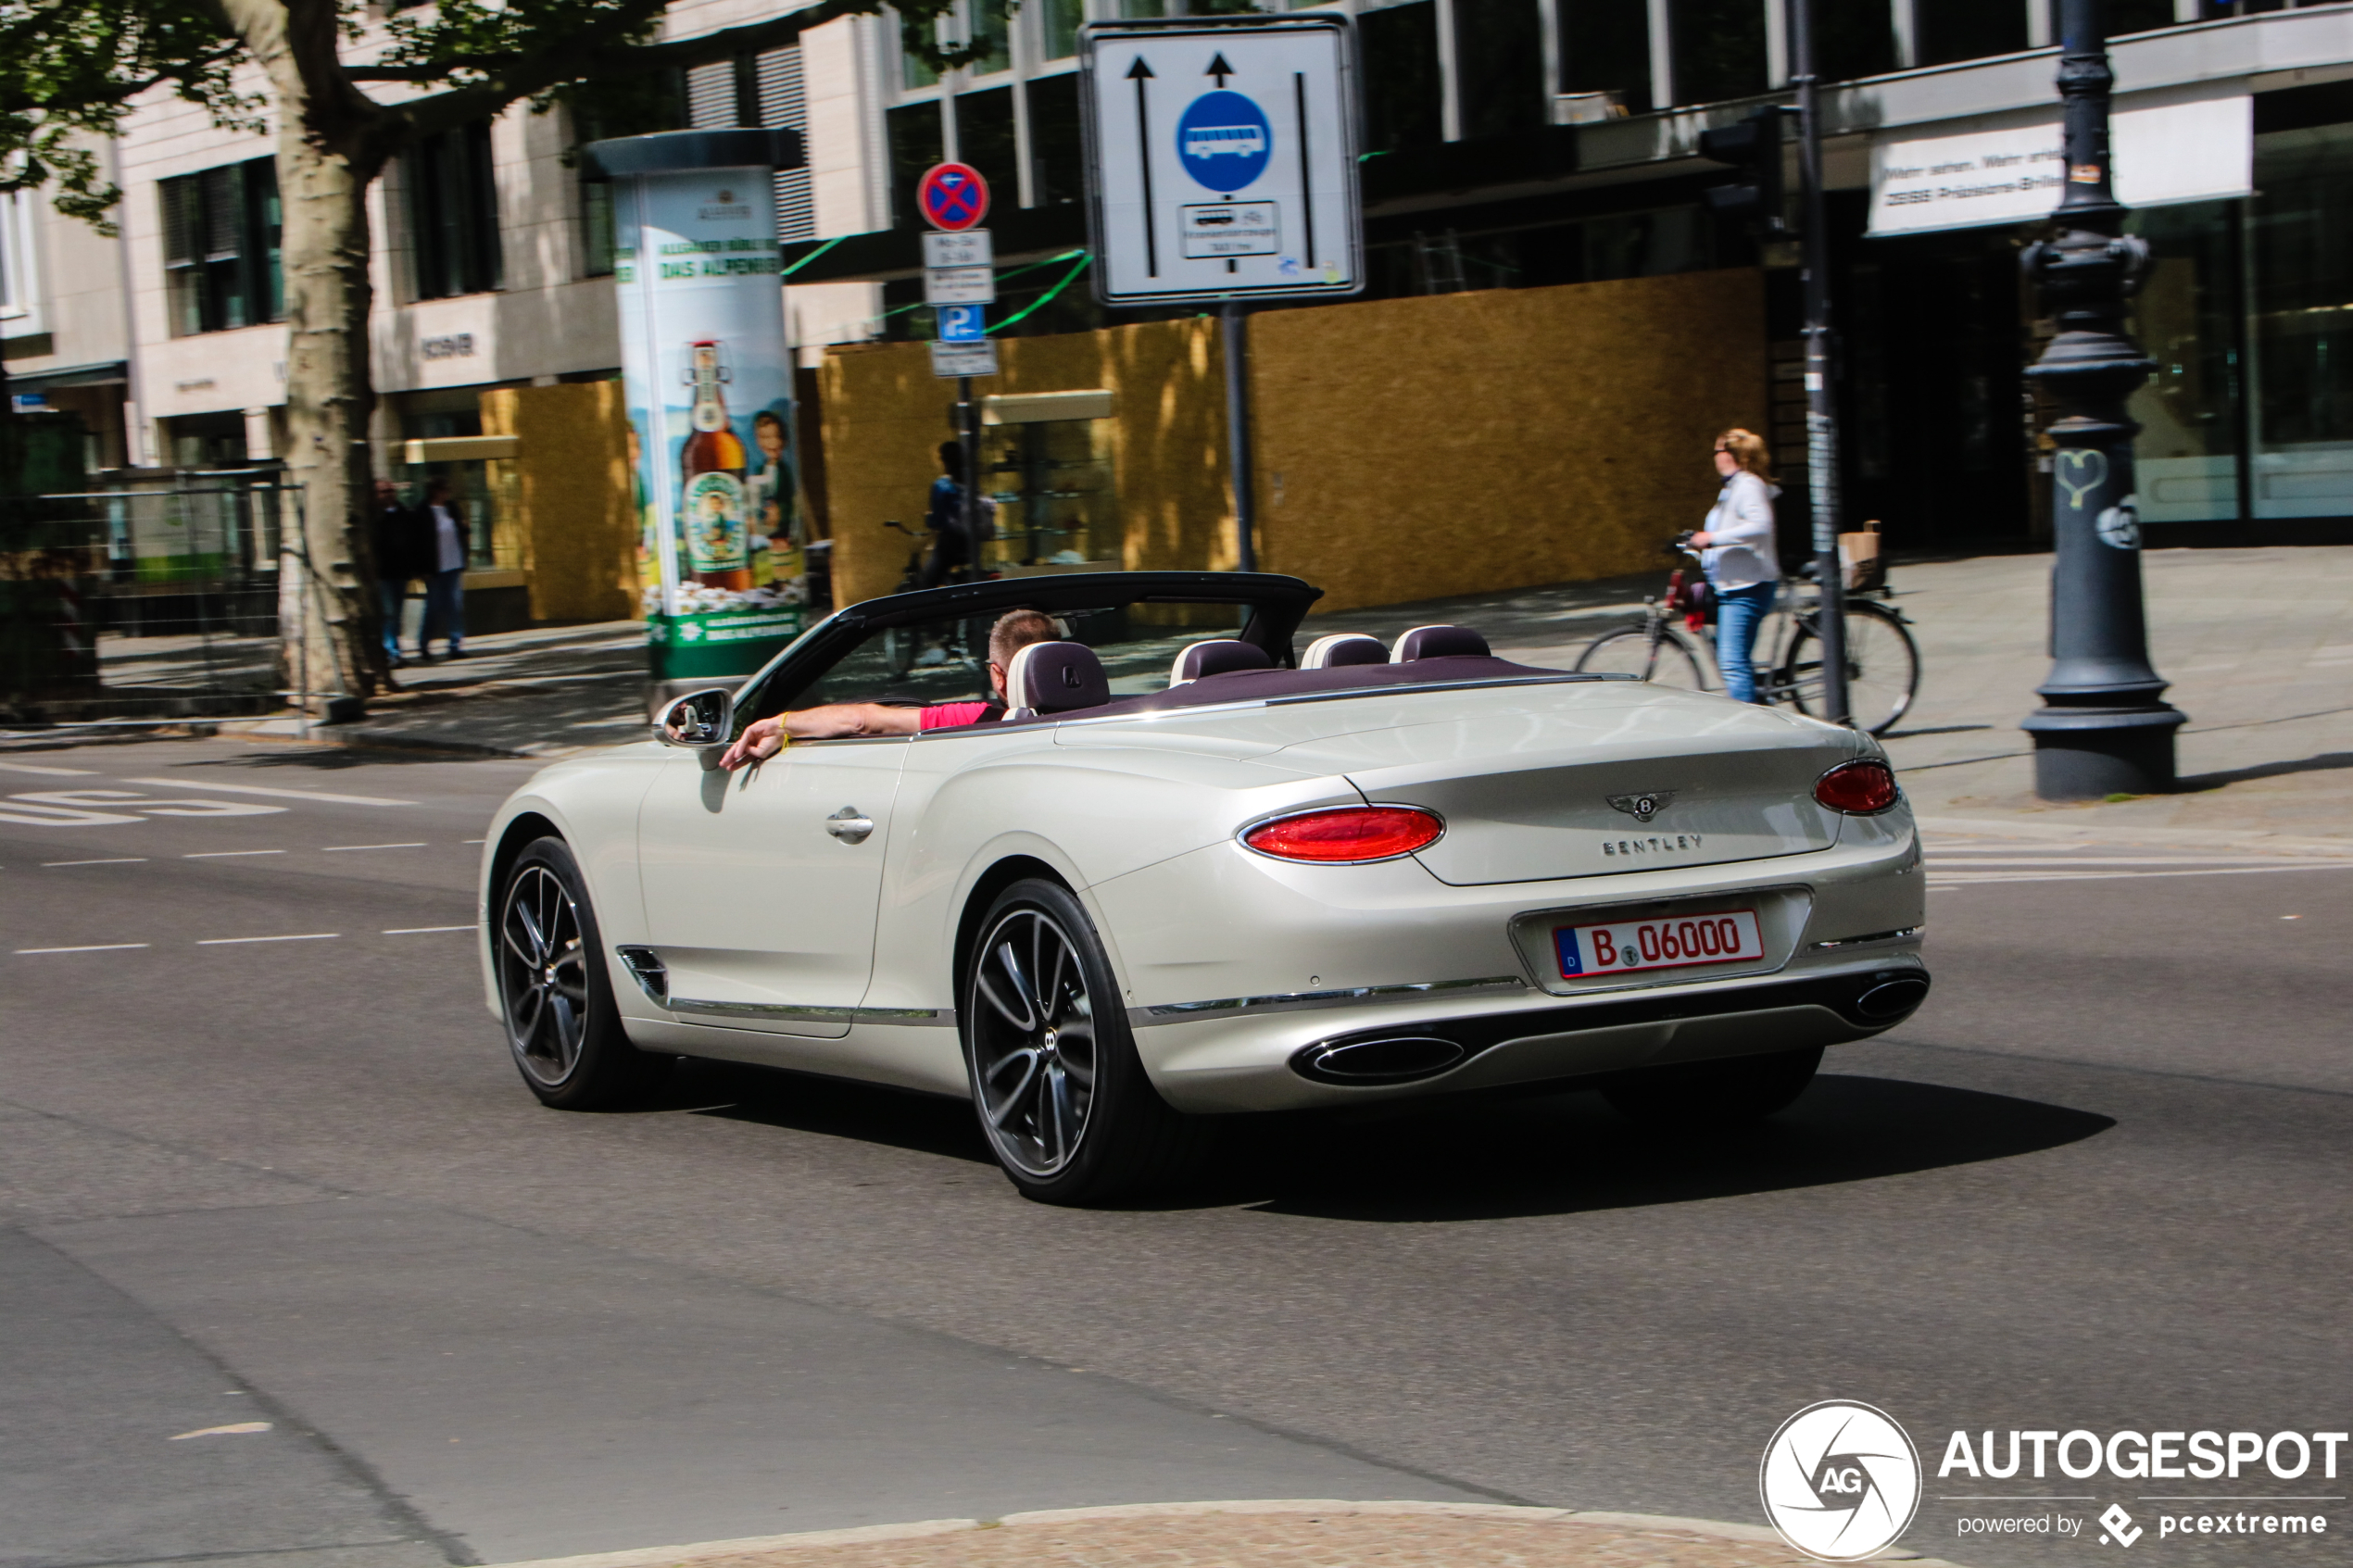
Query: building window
x=1966 y=29
x=1856 y=38
x=222 y=263
x=636 y=107
x=1605 y=47
x=985 y=140
x=2136 y=16
x=1059 y=23
x=453 y=214
x=1401 y=90
x=1498 y=63
x=15 y=256
x=1719 y=49
x=914 y=135
x=990 y=34
x=1057 y=160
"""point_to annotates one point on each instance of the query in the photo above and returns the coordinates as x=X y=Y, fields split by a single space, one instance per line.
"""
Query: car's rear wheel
x=1063 y=1097
x=1702 y=1095
x=555 y=994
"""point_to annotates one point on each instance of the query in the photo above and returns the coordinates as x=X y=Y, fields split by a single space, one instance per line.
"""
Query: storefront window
x=2301 y=247
x=2185 y=318
x=1057 y=504
x=1605 y=47
x=1719 y=49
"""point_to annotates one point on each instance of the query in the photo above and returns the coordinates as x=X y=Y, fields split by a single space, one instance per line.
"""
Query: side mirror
x=698 y=721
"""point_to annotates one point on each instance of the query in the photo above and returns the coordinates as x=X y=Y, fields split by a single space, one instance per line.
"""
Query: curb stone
x=705 y=1551
x=2105 y=834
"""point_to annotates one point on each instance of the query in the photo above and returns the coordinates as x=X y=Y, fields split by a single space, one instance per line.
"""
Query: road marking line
x=224 y=854
x=421 y=930
x=470 y=840
x=1949 y=879
x=99 y=947
x=339 y=848
x=231 y=941
x=233 y=1428
x=278 y=793
x=28 y=768
x=125 y=860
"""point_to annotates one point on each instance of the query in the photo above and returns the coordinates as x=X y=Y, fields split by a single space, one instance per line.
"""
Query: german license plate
x=1669 y=942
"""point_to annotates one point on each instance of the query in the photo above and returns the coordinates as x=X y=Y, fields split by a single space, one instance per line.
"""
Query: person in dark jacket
x=399 y=550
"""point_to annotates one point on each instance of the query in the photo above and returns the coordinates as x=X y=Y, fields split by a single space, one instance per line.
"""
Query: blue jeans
x=390 y=597
x=445 y=608
x=1739 y=613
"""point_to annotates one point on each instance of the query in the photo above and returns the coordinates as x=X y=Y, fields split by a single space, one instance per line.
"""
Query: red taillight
x=1348 y=833
x=1860 y=789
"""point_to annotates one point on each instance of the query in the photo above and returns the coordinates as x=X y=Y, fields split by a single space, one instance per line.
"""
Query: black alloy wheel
x=1062 y=1096
x=555 y=994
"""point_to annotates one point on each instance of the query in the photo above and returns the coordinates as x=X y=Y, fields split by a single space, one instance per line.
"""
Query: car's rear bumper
x=1386 y=1049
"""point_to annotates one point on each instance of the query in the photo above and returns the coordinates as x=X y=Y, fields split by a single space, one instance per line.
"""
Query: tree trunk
x=330 y=645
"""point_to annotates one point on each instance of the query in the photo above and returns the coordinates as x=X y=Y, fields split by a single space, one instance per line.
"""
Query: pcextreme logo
x=1841 y=1481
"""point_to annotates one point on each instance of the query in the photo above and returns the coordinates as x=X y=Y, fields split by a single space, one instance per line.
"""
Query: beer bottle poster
x=709 y=386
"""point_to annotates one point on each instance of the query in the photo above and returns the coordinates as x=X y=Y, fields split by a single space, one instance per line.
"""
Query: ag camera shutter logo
x=1841 y=1481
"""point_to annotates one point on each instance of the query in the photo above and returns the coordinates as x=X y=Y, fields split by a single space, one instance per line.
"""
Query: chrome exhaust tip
x=1396 y=1060
x=1888 y=998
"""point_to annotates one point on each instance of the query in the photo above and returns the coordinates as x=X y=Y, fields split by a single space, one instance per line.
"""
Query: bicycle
x=965 y=641
x=1882 y=661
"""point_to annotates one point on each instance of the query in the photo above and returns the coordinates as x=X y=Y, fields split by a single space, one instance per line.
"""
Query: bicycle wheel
x=1647 y=653
x=1883 y=668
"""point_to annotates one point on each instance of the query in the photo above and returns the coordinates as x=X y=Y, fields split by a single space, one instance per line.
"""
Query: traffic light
x=1753 y=146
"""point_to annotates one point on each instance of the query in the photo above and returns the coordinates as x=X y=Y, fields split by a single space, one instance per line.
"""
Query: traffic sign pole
x=1237 y=335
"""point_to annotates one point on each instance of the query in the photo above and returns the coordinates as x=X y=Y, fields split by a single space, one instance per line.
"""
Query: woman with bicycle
x=1740 y=557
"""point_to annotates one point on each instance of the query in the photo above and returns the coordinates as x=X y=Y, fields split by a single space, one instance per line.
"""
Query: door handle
x=850 y=825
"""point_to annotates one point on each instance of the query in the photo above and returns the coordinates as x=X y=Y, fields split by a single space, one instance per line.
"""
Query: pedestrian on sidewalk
x=951 y=544
x=400 y=557
x=1739 y=554
x=445 y=582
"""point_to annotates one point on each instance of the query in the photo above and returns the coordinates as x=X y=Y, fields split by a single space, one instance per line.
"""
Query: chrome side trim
x=646 y=966
x=760 y=1009
x=1905 y=934
x=1293 y=1001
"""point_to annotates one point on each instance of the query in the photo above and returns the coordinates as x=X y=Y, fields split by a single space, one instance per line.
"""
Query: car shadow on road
x=1475 y=1159
x=832 y=1107
x=1571 y=1153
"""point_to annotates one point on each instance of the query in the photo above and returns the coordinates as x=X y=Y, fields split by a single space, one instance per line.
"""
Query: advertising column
x=708 y=377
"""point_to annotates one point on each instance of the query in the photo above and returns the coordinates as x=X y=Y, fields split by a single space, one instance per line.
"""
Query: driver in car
x=1014 y=630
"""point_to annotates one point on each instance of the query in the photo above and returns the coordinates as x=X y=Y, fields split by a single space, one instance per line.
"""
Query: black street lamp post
x=2104 y=727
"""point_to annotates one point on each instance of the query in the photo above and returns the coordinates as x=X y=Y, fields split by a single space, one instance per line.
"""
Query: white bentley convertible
x=1189 y=869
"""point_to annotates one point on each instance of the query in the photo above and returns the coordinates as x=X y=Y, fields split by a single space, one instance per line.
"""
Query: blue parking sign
x=963 y=323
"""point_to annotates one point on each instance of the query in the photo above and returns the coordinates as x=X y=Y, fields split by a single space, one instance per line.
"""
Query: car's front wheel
x=1063 y=1097
x=1698 y=1096
x=554 y=992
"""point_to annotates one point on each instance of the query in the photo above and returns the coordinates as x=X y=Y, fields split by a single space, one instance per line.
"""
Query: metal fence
x=154 y=597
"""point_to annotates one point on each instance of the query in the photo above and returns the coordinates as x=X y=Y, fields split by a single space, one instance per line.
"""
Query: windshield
x=945 y=659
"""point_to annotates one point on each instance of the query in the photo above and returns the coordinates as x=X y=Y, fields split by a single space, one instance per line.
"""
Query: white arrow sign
x=1222 y=158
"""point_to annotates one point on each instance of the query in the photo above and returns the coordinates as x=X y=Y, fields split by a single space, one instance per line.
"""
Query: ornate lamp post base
x=2091 y=753
x=2105 y=727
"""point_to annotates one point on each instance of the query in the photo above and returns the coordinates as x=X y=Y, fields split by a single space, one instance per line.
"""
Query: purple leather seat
x=1343 y=648
x=1217 y=657
x=1054 y=678
x=1438 y=642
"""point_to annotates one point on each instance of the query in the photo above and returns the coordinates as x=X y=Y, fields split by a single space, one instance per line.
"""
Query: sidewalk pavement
x=1294 y=1534
x=2259 y=644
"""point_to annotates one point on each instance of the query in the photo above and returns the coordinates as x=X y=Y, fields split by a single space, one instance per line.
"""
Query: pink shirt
x=948 y=715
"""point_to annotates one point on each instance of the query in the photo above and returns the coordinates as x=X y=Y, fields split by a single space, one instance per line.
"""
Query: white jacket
x=1740 y=526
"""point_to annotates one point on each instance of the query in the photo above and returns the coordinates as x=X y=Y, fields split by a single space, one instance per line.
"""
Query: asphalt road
x=264 y=1162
